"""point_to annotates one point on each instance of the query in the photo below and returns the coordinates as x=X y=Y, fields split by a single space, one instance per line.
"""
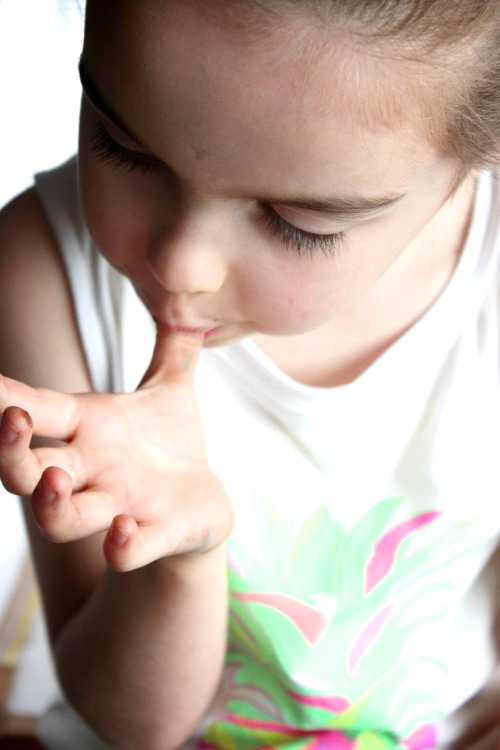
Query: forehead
x=204 y=83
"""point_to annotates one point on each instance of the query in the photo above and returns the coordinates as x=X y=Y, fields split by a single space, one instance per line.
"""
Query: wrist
x=199 y=564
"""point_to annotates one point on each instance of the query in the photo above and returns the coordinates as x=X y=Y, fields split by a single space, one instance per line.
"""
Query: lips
x=176 y=327
x=176 y=324
x=181 y=328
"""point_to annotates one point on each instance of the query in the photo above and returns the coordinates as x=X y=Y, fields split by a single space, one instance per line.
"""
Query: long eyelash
x=304 y=243
x=119 y=156
x=293 y=238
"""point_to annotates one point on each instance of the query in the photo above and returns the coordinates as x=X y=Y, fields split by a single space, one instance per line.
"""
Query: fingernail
x=118 y=536
x=46 y=492
x=27 y=417
x=7 y=433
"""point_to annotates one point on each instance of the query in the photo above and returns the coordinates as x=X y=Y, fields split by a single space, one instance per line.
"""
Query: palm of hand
x=133 y=464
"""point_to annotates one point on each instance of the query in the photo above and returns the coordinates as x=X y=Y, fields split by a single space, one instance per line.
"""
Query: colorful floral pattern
x=326 y=624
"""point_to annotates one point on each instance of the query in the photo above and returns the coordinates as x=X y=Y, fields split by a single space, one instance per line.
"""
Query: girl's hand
x=132 y=465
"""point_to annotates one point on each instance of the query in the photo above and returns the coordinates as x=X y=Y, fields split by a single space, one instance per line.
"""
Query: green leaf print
x=326 y=624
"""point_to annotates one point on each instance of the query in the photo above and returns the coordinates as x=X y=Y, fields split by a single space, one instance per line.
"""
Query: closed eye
x=119 y=156
x=299 y=240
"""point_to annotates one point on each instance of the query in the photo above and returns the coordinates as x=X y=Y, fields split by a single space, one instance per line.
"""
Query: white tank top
x=362 y=565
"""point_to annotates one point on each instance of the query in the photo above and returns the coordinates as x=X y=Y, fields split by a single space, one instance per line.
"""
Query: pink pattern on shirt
x=387 y=546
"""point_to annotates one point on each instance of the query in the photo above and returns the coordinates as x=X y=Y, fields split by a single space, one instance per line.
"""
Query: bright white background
x=40 y=43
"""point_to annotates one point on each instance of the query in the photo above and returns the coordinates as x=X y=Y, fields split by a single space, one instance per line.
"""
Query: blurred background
x=40 y=43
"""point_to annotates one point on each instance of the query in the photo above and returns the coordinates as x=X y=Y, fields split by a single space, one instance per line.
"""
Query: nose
x=186 y=254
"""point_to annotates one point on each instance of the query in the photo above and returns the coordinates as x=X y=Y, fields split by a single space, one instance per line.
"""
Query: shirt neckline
x=442 y=321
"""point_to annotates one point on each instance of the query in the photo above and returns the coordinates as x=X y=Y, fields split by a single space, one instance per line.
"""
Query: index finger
x=175 y=357
x=54 y=414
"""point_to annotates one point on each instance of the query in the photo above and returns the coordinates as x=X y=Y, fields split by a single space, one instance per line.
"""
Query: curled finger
x=65 y=516
x=55 y=415
x=19 y=469
x=129 y=545
x=120 y=545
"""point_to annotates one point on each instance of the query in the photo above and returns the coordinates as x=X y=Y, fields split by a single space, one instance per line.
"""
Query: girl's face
x=248 y=179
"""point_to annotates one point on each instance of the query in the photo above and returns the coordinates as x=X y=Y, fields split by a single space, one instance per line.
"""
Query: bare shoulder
x=40 y=345
x=38 y=332
x=25 y=237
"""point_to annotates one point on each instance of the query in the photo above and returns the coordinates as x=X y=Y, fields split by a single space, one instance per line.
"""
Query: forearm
x=142 y=659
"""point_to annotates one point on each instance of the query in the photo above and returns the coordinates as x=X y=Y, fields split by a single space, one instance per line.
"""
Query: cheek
x=292 y=296
x=110 y=210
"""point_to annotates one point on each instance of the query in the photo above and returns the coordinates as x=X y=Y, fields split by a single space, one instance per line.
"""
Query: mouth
x=180 y=328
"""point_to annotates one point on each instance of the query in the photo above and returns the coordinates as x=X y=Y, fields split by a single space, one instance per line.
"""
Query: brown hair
x=462 y=39
x=456 y=42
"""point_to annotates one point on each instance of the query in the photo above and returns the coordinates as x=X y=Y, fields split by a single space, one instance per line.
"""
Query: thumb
x=174 y=359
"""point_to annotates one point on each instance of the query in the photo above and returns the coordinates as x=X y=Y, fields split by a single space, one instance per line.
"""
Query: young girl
x=284 y=224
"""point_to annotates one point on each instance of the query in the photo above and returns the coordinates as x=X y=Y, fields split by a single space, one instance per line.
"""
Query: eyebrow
x=350 y=207
x=339 y=207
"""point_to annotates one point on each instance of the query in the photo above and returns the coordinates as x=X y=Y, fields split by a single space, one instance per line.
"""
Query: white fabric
x=413 y=440
x=34 y=686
